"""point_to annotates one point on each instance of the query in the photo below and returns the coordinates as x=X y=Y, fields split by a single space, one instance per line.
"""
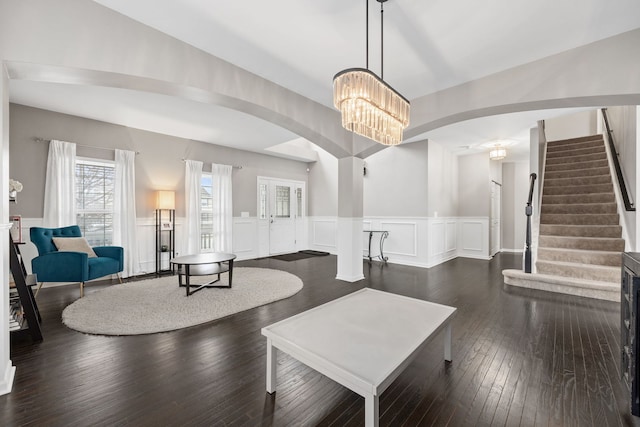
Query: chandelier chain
x=382 y=40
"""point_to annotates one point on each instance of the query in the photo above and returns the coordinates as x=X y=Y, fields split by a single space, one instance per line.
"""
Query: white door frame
x=298 y=209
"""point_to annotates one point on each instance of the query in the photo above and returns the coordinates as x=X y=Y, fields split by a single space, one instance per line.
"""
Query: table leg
x=272 y=358
x=370 y=237
x=230 y=271
x=188 y=283
x=371 y=411
x=447 y=343
x=382 y=237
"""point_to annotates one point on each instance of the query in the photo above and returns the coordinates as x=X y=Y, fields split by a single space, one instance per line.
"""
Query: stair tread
x=581 y=237
x=579 y=264
x=564 y=280
x=590 y=251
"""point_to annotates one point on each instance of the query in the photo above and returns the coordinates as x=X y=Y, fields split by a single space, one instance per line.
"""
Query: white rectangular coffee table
x=363 y=340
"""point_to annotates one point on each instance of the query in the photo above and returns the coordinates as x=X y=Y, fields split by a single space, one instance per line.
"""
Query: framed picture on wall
x=16 y=228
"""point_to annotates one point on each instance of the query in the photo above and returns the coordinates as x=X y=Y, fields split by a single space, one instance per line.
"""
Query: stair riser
x=594 y=208
x=614 y=231
x=604 y=219
x=576 y=166
x=558 y=148
x=586 y=180
x=576 y=173
x=577 y=159
x=593 y=244
x=568 y=199
x=578 y=189
x=576 y=152
x=613 y=259
x=579 y=271
x=574 y=141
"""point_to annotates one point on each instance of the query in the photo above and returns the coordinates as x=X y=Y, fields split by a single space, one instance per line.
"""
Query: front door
x=282 y=223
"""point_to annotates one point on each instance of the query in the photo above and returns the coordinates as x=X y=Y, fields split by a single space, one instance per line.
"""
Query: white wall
x=583 y=123
x=622 y=121
x=474 y=191
x=442 y=193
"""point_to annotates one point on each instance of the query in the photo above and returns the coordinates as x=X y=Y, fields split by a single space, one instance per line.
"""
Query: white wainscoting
x=245 y=238
x=323 y=234
x=416 y=241
x=473 y=237
x=442 y=238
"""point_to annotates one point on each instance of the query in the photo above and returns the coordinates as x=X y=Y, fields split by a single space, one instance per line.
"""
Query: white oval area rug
x=159 y=305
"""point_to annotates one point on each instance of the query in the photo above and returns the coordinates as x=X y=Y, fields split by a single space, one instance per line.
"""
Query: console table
x=384 y=234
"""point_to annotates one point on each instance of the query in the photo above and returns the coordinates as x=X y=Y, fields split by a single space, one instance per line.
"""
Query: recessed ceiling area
x=429 y=46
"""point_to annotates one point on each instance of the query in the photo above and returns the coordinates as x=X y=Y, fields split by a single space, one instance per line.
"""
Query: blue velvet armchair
x=52 y=265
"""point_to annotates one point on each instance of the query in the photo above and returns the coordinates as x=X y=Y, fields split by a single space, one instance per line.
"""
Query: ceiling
x=429 y=46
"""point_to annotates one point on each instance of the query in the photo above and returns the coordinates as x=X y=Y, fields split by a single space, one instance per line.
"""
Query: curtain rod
x=81 y=145
x=233 y=166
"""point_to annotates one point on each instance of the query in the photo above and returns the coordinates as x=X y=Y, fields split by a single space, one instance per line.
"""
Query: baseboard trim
x=6 y=383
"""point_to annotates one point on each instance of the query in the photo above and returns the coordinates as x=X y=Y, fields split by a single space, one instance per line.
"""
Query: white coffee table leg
x=447 y=343
x=272 y=358
x=371 y=411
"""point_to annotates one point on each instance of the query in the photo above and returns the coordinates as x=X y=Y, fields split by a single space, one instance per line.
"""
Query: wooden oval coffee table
x=203 y=265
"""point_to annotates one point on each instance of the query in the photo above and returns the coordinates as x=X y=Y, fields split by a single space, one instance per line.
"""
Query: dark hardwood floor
x=520 y=357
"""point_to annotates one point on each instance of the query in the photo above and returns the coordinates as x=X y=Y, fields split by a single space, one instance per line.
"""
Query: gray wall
x=442 y=194
x=397 y=181
x=159 y=165
x=515 y=190
x=474 y=185
x=323 y=185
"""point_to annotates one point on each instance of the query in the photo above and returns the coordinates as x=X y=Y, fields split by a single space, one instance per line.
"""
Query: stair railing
x=628 y=205
x=528 y=211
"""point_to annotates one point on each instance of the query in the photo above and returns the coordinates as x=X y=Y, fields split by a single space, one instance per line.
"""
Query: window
x=206 y=212
x=299 y=201
x=94 y=200
x=283 y=203
x=263 y=201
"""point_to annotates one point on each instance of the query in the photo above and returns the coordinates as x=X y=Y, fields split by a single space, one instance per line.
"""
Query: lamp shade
x=497 y=153
x=166 y=200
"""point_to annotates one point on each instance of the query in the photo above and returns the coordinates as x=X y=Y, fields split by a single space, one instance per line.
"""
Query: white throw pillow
x=74 y=244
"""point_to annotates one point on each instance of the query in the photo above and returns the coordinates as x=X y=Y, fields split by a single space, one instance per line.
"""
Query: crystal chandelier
x=369 y=106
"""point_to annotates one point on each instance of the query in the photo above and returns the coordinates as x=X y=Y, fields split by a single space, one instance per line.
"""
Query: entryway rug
x=160 y=305
x=299 y=255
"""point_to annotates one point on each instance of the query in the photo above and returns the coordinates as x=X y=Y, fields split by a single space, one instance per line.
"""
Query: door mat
x=299 y=255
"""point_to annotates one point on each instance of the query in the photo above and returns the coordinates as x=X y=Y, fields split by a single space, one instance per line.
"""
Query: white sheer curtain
x=193 y=177
x=60 y=185
x=222 y=208
x=124 y=211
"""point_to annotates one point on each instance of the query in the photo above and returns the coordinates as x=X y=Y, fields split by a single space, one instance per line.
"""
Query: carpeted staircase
x=580 y=240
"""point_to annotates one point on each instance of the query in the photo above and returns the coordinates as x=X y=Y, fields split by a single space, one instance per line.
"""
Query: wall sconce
x=166 y=200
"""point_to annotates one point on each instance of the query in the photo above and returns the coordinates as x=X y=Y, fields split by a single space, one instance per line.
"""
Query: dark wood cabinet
x=630 y=294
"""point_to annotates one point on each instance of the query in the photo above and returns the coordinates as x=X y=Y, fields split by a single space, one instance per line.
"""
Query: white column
x=7 y=370
x=350 y=219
